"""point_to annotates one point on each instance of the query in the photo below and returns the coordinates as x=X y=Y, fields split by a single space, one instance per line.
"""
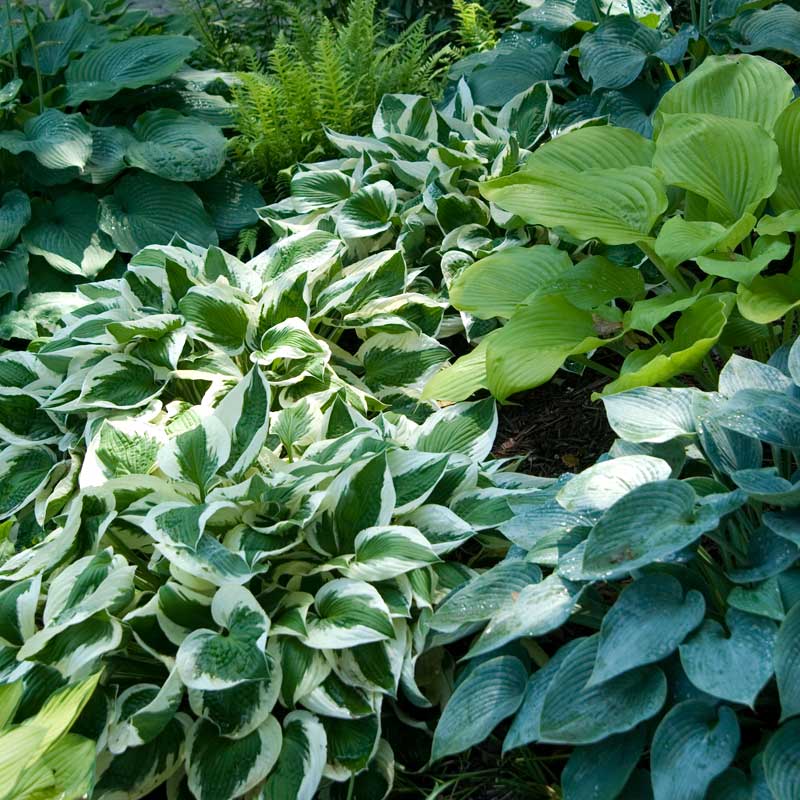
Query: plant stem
x=350 y=787
x=603 y=370
x=11 y=37
x=672 y=276
x=788 y=325
x=35 y=54
x=597 y=12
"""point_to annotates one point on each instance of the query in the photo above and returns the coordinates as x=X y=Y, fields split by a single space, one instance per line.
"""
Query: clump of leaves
x=659 y=593
x=614 y=59
x=718 y=252
x=203 y=511
x=413 y=185
x=109 y=144
x=333 y=75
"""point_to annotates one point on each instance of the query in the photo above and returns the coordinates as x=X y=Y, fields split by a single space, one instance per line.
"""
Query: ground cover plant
x=657 y=595
x=108 y=143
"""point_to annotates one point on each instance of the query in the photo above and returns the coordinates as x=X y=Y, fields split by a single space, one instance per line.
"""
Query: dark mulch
x=557 y=427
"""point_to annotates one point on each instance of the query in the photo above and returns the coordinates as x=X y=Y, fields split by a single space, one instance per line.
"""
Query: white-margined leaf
x=298 y=771
x=349 y=613
x=211 y=661
x=388 y=551
x=219 y=768
x=196 y=455
x=244 y=412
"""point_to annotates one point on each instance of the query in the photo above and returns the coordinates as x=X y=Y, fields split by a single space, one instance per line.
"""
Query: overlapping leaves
x=96 y=124
x=201 y=507
x=676 y=562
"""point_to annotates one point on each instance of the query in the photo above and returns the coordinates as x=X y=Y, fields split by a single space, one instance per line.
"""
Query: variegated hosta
x=648 y=614
x=413 y=185
x=198 y=506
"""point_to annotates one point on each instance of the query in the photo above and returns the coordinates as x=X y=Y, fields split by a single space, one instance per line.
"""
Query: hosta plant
x=413 y=186
x=710 y=205
x=108 y=143
x=613 y=60
x=658 y=595
x=200 y=511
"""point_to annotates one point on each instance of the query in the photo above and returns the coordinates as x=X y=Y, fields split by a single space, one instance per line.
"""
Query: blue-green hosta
x=710 y=203
x=200 y=510
x=117 y=146
x=612 y=60
x=657 y=593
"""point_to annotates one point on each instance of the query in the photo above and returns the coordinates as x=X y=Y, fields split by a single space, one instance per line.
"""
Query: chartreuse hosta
x=648 y=613
x=711 y=203
x=200 y=512
x=108 y=144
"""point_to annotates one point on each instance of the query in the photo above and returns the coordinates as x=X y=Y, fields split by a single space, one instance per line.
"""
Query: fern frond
x=476 y=28
x=247 y=242
x=336 y=87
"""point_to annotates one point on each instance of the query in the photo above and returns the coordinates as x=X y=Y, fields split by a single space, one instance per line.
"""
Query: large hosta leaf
x=146 y=210
x=647 y=623
x=57 y=40
x=57 y=140
x=66 y=235
x=696 y=332
x=537 y=609
x=614 y=53
x=600 y=771
x=652 y=521
x=734 y=666
x=489 y=694
x=787 y=663
x=738 y=86
x=130 y=64
x=776 y=29
x=591 y=148
x=787 y=136
x=537 y=340
x=574 y=713
x=732 y=163
x=15 y=213
x=231 y=202
x=693 y=744
x=616 y=206
x=600 y=486
x=176 y=147
x=780 y=761
x=496 y=285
